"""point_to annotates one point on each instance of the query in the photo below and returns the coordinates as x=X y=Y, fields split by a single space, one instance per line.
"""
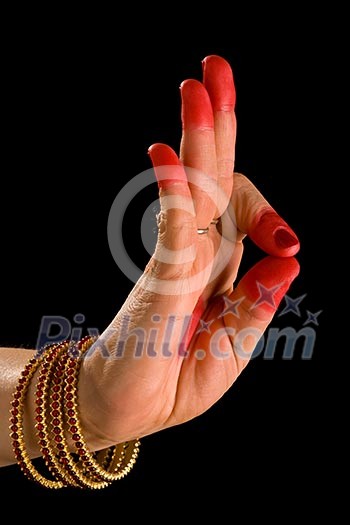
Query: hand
x=177 y=344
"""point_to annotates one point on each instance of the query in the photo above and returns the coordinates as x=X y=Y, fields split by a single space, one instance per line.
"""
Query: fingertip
x=215 y=61
x=168 y=169
x=218 y=79
x=191 y=84
x=273 y=235
x=265 y=285
x=215 y=58
x=290 y=266
x=196 y=112
x=162 y=155
x=286 y=241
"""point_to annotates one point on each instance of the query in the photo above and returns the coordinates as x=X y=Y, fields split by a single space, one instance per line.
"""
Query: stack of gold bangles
x=57 y=417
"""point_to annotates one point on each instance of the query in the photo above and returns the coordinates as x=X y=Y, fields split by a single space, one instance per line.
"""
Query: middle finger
x=198 y=149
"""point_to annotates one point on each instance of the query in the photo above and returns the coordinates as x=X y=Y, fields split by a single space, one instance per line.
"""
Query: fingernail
x=273 y=235
x=284 y=239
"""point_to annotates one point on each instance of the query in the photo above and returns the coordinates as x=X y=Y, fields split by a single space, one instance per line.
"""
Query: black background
x=84 y=104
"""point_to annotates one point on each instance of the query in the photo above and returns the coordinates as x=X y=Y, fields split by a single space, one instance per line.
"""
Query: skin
x=122 y=397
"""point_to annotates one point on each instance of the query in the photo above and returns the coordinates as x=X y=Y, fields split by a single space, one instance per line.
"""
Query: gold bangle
x=89 y=464
x=17 y=414
x=124 y=457
x=56 y=402
x=52 y=367
x=81 y=477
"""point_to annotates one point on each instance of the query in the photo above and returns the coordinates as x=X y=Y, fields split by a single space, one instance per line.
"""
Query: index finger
x=254 y=216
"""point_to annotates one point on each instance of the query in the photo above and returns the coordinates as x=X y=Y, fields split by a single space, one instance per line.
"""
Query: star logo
x=266 y=295
x=292 y=305
x=204 y=326
x=312 y=318
x=231 y=307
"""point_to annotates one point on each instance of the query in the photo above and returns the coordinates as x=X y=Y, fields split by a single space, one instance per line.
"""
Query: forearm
x=12 y=362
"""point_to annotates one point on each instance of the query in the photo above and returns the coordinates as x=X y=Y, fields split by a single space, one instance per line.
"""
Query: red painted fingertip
x=196 y=112
x=267 y=282
x=163 y=155
x=218 y=80
x=284 y=239
x=273 y=235
x=167 y=166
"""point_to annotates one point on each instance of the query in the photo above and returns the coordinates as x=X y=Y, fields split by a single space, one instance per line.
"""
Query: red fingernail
x=273 y=235
x=284 y=239
x=218 y=80
x=196 y=112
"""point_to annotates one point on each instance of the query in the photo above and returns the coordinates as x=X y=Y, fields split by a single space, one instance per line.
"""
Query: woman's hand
x=184 y=335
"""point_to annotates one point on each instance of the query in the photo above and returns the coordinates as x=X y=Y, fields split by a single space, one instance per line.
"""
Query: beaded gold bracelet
x=17 y=415
x=89 y=463
x=50 y=446
x=57 y=408
x=56 y=404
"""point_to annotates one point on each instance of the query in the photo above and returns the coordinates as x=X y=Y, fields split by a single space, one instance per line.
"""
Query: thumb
x=246 y=312
x=235 y=323
x=263 y=288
